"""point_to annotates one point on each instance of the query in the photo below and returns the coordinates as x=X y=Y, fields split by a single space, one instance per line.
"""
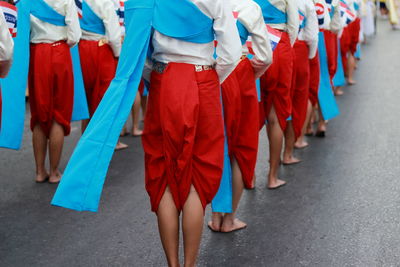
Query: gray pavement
x=341 y=206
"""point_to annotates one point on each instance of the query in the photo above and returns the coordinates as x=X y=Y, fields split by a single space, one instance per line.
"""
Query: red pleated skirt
x=301 y=86
x=51 y=86
x=331 y=44
x=183 y=137
x=349 y=40
x=314 y=80
x=98 y=69
x=241 y=113
x=276 y=83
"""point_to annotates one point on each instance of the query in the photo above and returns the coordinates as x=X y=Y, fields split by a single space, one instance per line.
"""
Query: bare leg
x=56 y=142
x=216 y=221
x=338 y=91
x=144 y=104
x=168 y=226
x=288 y=157
x=230 y=222
x=84 y=125
x=192 y=226
x=321 y=125
x=39 y=142
x=351 y=64
x=275 y=137
x=136 y=116
x=301 y=142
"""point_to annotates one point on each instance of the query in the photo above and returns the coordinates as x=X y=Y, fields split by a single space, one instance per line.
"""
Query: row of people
x=204 y=52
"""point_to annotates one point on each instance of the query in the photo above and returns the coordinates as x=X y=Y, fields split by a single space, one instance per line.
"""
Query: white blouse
x=309 y=33
x=105 y=10
x=6 y=41
x=43 y=32
x=229 y=49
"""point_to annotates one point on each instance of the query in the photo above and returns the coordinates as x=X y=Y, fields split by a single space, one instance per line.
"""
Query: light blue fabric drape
x=326 y=98
x=338 y=79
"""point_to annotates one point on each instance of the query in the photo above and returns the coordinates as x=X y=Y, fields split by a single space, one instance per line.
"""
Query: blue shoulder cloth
x=46 y=13
x=90 y=21
x=272 y=15
x=243 y=32
x=83 y=179
x=170 y=18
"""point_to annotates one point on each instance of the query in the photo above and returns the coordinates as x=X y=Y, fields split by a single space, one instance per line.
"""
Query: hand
x=259 y=67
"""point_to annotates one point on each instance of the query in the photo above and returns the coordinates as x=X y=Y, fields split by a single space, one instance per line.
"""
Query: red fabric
x=98 y=69
x=141 y=88
x=183 y=136
x=301 y=86
x=314 y=80
x=349 y=40
x=276 y=83
x=51 y=86
x=332 y=52
x=240 y=100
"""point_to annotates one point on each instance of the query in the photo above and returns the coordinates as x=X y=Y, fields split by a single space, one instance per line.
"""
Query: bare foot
x=300 y=144
x=229 y=226
x=123 y=132
x=216 y=222
x=351 y=82
x=121 y=146
x=55 y=177
x=290 y=160
x=137 y=132
x=41 y=177
x=277 y=184
x=339 y=92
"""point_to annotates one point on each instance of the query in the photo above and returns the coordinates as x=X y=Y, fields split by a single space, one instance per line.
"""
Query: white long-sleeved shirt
x=250 y=15
x=105 y=10
x=6 y=41
x=336 y=24
x=309 y=33
x=292 y=25
x=229 y=49
x=43 y=32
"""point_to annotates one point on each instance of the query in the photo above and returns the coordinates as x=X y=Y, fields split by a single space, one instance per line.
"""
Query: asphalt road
x=341 y=206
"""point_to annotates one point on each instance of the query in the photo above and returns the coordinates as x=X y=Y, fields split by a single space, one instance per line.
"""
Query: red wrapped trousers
x=51 y=86
x=183 y=138
x=241 y=113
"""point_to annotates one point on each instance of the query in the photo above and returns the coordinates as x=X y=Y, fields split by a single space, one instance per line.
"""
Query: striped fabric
x=10 y=14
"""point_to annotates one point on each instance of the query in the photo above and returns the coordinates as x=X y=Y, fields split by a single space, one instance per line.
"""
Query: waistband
x=160 y=67
x=50 y=44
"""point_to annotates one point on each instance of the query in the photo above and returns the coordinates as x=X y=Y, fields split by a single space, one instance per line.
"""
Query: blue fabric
x=46 y=13
x=80 y=108
x=326 y=98
x=222 y=201
x=332 y=13
x=358 y=51
x=272 y=15
x=13 y=87
x=90 y=21
x=83 y=179
x=198 y=29
x=303 y=24
x=338 y=79
x=243 y=32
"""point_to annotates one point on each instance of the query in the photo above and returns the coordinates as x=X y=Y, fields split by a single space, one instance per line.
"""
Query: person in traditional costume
x=51 y=81
x=276 y=83
x=349 y=40
x=394 y=13
x=6 y=47
x=183 y=137
x=241 y=108
x=305 y=48
x=99 y=49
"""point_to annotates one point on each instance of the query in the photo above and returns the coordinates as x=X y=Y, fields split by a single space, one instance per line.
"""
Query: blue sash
x=243 y=32
x=46 y=13
x=272 y=15
x=357 y=54
x=83 y=179
x=14 y=86
x=90 y=21
x=303 y=24
x=338 y=79
x=326 y=98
